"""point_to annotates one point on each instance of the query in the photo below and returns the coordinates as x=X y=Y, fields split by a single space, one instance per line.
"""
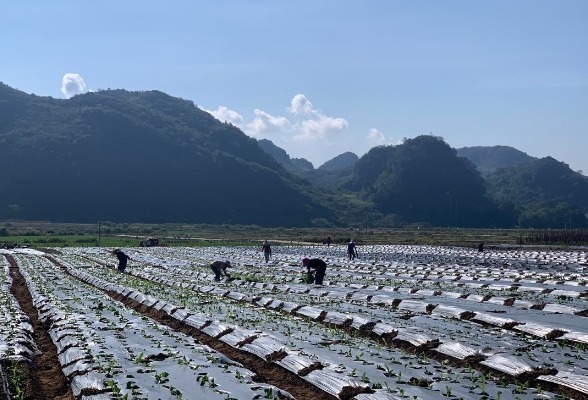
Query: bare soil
x=46 y=379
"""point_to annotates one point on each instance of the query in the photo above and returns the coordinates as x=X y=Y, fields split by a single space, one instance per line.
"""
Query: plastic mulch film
x=90 y=383
x=197 y=321
x=334 y=383
x=264 y=347
x=578 y=383
x=238 y=337
x=215 y=329
x=456 y=350
x=296 y=363
x=337 y=318
x=509 y=365
x=311 y=312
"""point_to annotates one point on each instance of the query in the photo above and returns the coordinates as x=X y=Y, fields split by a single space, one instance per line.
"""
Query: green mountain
x=291 y=164
x=546 y=192
x=141 y=156
x=149 y=157
x=490 y=158
x=423 y=180
x=342 y=161
x=329 y=177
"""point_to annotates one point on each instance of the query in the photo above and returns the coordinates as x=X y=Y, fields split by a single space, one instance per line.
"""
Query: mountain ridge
x=147 y=156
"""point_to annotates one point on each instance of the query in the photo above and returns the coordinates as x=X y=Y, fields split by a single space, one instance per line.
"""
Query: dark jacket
x=122 y=257
x=316 y=264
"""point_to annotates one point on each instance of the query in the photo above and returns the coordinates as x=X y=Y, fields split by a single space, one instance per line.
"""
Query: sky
x=319 y=78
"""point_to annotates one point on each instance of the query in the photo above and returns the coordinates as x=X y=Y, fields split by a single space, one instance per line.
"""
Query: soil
x=46 y=379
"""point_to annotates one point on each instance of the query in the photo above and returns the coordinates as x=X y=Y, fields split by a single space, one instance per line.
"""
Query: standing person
x=220 y=267
x=316 y=267
x=481 y=247
x=351 y=251
x=267 y=250
x=329 y=241
x=122 y=259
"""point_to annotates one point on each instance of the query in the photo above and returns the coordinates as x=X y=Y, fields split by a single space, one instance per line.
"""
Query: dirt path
x=45 y=377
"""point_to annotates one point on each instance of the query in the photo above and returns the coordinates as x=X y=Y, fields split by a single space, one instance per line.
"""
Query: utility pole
x=449 y=194
x=456 y=196
x=570 y=220
x=366 y=225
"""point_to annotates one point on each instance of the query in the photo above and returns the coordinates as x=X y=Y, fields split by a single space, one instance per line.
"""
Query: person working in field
x=122 y=259
x=329 y=241
x=220 y=267
x=351 y=250
x=481 y=247
x=316 y=267
x=267 y=250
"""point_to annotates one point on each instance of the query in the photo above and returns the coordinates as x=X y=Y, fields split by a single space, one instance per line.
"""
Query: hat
x=228 y=263
x=305 y=262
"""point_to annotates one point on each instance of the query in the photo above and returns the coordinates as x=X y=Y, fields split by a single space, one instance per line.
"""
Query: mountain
x=342 y=161
x=423 y=180
x=280 y=155
x=489 y=158
x=141 y=156
x=547 y=192
x=149 y=157
x=325 y=178
x=545 y=180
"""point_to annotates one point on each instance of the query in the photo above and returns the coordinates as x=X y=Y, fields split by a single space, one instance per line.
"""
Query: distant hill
x=423 y=179
x=141 y=156
x=280 y=155
x=489 y=158
x=342 y=161
x=543 y=180
x=329 y=178
x=546 y=191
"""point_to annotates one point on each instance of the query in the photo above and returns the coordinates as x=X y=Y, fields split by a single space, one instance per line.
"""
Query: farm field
x=400 y=322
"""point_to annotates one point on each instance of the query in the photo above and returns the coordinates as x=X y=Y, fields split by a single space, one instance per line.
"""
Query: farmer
x=351 y=250
x=329 y=241
x=220 y=267
x=267 y=250
x=316 y=267
x=122 y=259
x=481 y=247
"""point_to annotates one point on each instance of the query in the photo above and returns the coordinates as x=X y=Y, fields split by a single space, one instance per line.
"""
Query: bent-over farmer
x=316 y=267
x=122 y=259
x=220 y=267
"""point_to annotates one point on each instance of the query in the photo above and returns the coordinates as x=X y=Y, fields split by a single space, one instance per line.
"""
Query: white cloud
x=267 y=123
x=313 y=124
x=226 y=115
x=72 y=84
x=320 y=127
x=377 y=138
x=307 y=123
x=301 y=105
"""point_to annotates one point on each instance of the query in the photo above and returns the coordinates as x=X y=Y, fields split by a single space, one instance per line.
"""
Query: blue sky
x=365 y=72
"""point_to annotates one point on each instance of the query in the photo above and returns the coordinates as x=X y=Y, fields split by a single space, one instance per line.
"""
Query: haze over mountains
x=148 y=157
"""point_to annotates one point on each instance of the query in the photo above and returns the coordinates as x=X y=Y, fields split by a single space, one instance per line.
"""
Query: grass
x=105 y=241
x=48 y=234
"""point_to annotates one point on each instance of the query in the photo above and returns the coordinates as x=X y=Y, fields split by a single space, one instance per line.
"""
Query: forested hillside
x=140 y=156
